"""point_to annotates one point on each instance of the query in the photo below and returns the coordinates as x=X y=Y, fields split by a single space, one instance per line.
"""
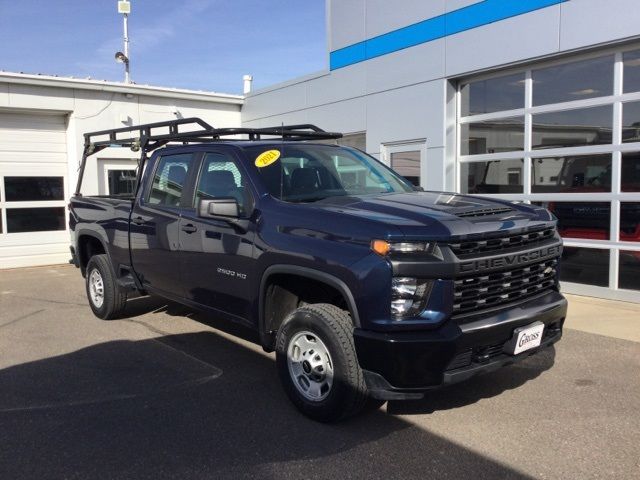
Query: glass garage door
x=566 y=135
x=33 y=186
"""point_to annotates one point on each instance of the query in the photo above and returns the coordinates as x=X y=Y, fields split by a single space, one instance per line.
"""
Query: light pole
x=124 y=7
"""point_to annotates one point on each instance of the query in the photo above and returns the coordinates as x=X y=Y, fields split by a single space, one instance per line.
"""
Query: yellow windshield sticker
x=267 y=158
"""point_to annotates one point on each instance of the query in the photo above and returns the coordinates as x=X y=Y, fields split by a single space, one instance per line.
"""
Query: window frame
x=238 y=162
x=108 y=170
x=39 y=236
x=616 y=149
x=418 y=144
x=187 y=187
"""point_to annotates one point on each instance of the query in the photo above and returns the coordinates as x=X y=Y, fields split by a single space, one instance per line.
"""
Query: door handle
x=138 y=221
x=189 y=228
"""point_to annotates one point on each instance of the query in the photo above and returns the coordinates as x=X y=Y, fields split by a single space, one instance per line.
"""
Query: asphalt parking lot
x=169 y=393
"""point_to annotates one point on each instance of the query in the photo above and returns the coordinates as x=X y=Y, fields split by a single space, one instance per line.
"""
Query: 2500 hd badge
x=231 y=273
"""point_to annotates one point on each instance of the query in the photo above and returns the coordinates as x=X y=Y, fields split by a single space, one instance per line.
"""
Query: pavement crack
x=15 y=320
x=151 y=328
x=116 y=397
x=48 y=300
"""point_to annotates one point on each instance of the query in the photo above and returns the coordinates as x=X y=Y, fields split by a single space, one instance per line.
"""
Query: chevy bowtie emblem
x=547 y=270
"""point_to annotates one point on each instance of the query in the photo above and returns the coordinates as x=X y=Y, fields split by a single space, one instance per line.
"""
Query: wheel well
x=88 y=246
x=284 y=293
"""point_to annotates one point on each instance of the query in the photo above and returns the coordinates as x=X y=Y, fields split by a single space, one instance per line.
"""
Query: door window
x=32 y=204
x=121 y=182
x=407 y=164
x=220 y=177
x=170 y=179
x=407 y=159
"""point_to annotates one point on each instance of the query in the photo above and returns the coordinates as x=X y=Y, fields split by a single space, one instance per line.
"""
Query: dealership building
x=531 y=100
x=42 y=120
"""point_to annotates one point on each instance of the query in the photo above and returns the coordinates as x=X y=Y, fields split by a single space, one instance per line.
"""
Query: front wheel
x=106 y=299
x=317 y=363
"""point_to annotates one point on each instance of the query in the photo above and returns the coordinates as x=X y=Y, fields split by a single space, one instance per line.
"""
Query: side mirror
x=418 y=188
x=218 y=207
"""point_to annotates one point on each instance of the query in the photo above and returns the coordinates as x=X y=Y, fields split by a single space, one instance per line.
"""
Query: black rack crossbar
x=206 y=133
x=143 y=138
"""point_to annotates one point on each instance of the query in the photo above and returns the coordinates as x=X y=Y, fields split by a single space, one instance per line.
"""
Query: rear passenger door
x=218 y=257
x=155 y=223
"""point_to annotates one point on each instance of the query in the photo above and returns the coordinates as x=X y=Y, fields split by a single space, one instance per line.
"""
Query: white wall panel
x=45 y=254
x=457 y=4
x=434 y=169
x=381 y=18
x=406 y=114
x=588 y=22
x=346 y=23
x=412 y=65
x=347 y=117
x=511 y=40
x=30 y=96
x=286 y=99
x=4 y=95
x=301 y=116
x=341 y=84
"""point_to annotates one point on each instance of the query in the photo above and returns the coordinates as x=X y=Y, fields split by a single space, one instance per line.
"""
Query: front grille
x=474 y=294
x=531 y=238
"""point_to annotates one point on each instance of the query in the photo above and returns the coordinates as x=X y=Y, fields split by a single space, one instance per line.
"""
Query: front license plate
x=525 y=338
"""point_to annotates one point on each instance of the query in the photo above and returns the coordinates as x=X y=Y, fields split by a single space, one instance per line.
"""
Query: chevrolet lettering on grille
x=509 y=260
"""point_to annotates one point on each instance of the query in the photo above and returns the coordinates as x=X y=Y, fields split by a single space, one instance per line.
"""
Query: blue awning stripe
x=456 y=21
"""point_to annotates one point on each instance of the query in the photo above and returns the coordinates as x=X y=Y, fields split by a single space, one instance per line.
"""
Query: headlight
x=409 y=296
x=382 y=247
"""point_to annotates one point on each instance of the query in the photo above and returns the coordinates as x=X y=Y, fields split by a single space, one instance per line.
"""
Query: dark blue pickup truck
x=363 y=286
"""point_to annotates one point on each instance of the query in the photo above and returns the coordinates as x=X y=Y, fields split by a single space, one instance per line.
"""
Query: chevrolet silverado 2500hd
x=363 y=286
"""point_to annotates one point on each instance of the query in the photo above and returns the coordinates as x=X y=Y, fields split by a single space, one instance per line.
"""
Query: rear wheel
x=317 y=363
x=106 y=299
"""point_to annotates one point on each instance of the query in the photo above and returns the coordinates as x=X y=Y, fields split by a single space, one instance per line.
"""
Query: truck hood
x=438 y=215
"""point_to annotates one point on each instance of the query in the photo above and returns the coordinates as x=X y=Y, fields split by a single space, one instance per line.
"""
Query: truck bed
x=106 y=217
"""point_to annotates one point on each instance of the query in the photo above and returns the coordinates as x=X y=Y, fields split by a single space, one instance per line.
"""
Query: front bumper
x=402 y=365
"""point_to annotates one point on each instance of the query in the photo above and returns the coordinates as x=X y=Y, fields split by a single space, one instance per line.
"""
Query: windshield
x=308 y=173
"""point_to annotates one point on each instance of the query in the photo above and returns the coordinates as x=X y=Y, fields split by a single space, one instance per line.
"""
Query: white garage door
x=33 y=188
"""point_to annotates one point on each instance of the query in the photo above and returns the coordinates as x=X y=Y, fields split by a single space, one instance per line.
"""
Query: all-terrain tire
x=106 y=299
x=332 y=329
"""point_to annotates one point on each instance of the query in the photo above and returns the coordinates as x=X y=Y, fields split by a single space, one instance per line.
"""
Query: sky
x=194 y=44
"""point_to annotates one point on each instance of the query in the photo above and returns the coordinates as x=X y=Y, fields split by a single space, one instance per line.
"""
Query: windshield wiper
x=310 y=199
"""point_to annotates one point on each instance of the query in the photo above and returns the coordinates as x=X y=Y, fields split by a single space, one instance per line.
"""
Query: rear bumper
x=404 y=364
x=74 y=258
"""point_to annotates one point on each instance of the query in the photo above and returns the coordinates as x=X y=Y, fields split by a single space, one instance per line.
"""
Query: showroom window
x=407 y=158
x=356 y=140
x=565 y=135
x=32 y=204
x=407 y=164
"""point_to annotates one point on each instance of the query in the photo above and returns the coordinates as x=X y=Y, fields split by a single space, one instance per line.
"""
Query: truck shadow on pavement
x=478 y=388
x=455 y=396
x=202 y=405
